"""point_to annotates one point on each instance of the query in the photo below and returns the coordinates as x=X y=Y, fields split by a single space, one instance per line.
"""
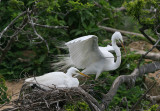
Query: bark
x=151 y=55
x=12 y=22
x=112 y=30
x=54 y=27
x=153 y=99
x=129 y=80
x=92 y=102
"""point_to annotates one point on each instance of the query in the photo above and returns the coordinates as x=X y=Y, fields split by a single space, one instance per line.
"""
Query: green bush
x=4 y=98
x=153 y=108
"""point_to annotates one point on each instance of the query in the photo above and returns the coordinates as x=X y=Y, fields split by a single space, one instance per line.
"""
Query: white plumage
x=56 y=79
x=84 y=53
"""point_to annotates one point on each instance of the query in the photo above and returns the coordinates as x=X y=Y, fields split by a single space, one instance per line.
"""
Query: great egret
x=56 y=79
x=86 y=54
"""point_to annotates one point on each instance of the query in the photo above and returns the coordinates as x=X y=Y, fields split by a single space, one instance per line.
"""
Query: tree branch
x=153 y=99
x=35 y=31
x=123 y=9
x=151 y=55
x=109 y=29
x=129 y=79
x=10 y=42
x=148 y=51
x=140 y=99
x=93 y=103
x=145 y=35
x=55 y=27
x=12 y=22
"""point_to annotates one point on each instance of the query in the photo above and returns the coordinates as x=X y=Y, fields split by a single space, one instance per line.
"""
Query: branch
x=10 y=42
x=140 y=99
x=151 y=55
x=93 y=103
x=57 y=95
x=145 y=35
x=157 y=42
x=12 y=22
x=129 y=79
x=123 y=9
x=35 y=31
x=109 y=29
x=55 y=27
x=153 y=99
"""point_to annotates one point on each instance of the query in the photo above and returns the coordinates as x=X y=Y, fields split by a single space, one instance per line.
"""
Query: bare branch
x=55 y=27
x=145 y=35
x=38 y=35
x=109 y=29
x=129 y=79
x=151 y=55
x=10 y=42
x=93 y=103
x=142 y=97
x=12 y=22
x=153 y=99
x=120 y=9
x=158 y=26
x=148 y=51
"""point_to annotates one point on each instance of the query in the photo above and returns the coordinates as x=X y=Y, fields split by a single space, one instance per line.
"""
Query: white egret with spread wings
x=84 y=53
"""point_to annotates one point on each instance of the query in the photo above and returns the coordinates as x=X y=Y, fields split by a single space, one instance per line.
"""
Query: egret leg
x=97 y=75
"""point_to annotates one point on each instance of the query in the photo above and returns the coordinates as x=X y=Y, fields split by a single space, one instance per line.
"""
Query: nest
x=40 y=100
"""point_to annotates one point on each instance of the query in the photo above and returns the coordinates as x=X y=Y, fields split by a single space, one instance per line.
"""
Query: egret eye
x=77 y=71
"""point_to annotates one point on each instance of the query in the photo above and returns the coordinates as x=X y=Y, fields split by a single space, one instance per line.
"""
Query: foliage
x=145 y=11
x=3 y=89
x=81 y=17
x=79 y=106
x=153 y=108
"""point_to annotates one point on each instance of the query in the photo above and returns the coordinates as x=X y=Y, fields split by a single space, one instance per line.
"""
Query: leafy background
x=25 y=59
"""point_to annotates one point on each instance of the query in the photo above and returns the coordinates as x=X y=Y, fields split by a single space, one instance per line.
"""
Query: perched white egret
x=84 y=53
x=56 y=79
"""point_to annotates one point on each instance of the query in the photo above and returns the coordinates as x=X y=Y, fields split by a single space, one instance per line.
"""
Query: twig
x=151 y=55
x=140 y=99
x=10 y=42
x=38 y=35
x=12 y=22
x=153 y=99
x=145 y=35
x=55 y=27
x=109 y=29
x=143 y=56
x=129 y=79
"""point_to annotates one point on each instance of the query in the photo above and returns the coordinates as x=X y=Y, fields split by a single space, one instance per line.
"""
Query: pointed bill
x=83 y=74
x=123 y=46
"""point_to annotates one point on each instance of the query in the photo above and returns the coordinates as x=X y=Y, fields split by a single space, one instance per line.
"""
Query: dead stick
x=140 y=99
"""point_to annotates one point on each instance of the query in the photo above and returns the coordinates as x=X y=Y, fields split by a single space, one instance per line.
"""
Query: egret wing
x=84 y=51
x=110 y=48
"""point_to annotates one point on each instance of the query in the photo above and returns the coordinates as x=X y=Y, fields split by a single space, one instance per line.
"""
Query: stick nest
x=39 y=100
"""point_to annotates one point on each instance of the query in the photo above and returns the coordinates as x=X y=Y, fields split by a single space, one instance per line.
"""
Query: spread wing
x=108 y=48
x=84 y=51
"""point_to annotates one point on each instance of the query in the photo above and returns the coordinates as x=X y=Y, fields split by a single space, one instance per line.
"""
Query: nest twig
x=40 y=100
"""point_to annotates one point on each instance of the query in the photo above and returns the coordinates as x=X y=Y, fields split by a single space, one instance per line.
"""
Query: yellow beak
x=123 y=46
x=83 y=74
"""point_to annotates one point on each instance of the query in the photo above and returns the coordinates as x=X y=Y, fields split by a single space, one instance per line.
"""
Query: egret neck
x=117 y=51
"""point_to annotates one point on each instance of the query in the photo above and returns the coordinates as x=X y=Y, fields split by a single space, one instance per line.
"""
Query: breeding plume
x=56 y=79
x=84 y=53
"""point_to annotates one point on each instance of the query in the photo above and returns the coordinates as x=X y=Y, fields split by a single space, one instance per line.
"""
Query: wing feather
x=84 y=51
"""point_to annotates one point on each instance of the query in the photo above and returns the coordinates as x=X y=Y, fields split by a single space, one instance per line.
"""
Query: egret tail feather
x=63 y=63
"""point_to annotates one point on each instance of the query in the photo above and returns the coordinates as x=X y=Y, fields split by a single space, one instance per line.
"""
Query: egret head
x=117 y=36
x=75 y=71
